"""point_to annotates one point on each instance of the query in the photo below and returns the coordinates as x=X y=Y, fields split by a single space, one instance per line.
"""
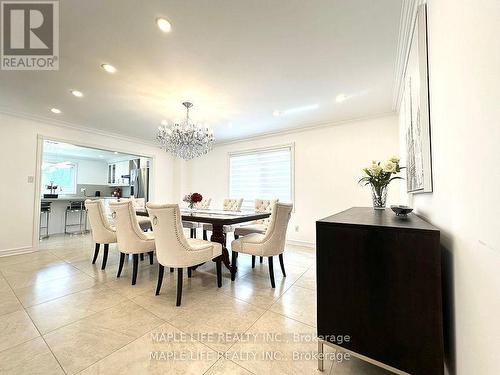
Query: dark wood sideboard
x=379 y=282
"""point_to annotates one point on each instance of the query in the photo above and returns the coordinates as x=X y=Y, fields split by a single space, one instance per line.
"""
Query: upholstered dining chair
x=257 y=226
x=140 y=204
x=228 y=205
x=269 y=244
x=130 y=237
x=102 y=231
x=191 y=225
x=174 y=250
x=204 y=204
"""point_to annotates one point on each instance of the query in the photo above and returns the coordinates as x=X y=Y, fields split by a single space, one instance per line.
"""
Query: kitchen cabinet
x=116 y=171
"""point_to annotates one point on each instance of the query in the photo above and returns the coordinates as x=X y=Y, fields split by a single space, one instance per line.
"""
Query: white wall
x=328 y=163
x=18 y=150
x=464 y=62
x=89 y=172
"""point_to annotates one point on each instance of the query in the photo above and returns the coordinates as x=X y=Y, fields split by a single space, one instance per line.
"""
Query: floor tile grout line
x=269 y=307
x=130 y=298
x=269 y=310
x=121 y=347
x=48 y=281
x=134 y=339
x=251 y=325
x=85 y=317
x=201 y=342
x=286 y=316
x=75 y=321
x=163 y=322
x=23 y=342
x=46 y=343
x=236 y=364
x=281 y=294
x=294 y=319
x=244 y=368
x=53 y=299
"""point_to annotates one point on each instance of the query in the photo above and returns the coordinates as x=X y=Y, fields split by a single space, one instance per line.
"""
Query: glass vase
x=379 y=197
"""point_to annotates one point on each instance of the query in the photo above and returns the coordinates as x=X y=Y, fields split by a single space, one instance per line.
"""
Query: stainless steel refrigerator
x=139 y=183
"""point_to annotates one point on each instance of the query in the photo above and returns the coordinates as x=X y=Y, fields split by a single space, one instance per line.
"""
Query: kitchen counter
x=58 y=211
x=76 y=199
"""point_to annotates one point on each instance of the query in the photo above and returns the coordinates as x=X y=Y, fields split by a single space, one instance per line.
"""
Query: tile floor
x=61 y=314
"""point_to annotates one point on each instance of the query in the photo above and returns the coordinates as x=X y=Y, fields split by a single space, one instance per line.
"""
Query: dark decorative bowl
x=402 y=211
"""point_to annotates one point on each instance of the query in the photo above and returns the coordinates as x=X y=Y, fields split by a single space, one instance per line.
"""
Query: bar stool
x=78 y=207
x=45 y=210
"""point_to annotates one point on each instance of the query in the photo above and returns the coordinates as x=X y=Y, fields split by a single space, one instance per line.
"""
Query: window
x=265 y=173
x=60 y=174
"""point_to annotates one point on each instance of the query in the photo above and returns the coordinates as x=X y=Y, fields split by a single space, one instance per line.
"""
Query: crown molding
x=304 y=128
x=406 y=27
x=71 y=126
x=89 y=130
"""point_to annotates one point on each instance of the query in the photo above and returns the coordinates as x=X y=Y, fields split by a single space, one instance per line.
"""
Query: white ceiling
x=237 y=60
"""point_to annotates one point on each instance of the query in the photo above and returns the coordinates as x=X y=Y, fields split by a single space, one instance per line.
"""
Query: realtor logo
x=30 y=35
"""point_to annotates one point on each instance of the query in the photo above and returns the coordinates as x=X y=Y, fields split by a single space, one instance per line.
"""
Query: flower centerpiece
x=379 y=176
x=192 y=198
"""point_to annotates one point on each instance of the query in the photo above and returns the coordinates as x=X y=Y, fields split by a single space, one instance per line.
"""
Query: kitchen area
x=70 y=174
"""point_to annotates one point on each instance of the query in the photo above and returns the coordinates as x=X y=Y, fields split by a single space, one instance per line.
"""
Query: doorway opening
x=69 y=174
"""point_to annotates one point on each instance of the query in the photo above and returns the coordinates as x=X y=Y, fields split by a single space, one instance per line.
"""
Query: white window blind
x=265 y=174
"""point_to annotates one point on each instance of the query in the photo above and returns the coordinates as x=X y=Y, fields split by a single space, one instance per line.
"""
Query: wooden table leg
x=218 y=236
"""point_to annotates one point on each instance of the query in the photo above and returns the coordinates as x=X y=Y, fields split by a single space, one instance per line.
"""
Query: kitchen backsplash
x=104 y=189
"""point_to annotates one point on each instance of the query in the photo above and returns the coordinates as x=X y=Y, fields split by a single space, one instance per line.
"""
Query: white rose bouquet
x=379 y=176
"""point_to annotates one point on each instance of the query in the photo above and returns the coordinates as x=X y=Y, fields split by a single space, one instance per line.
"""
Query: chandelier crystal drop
x=186 y=140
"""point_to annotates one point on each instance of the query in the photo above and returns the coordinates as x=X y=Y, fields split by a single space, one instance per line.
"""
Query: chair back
x=129 y=234
x=264 y=205
x=232 y=204
x=138 y=203
x=102 y=232
x=171 y=244
x=275 y=236
x=204 y=204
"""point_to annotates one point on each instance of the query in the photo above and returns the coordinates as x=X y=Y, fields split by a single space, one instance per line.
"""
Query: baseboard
x=301 y=243
x=16 y=251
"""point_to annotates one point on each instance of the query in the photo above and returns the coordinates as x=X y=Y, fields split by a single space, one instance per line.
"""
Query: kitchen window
x=263 y=173
x=60 y=174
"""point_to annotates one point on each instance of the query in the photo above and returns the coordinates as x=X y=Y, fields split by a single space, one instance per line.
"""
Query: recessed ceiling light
x=340 y=98
x=77 y=93
x=163 y=25
x=109 y=68
x=291 y=111
x=55 y=110
x=116 y=152
x=164 y=122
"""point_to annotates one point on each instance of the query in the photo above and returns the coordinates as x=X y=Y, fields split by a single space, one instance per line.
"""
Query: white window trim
x=290 y=146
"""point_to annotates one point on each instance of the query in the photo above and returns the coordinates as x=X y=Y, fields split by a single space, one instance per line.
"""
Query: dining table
x=218 y=219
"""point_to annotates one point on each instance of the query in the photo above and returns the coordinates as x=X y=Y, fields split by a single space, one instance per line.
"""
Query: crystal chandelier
x=186 y=140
